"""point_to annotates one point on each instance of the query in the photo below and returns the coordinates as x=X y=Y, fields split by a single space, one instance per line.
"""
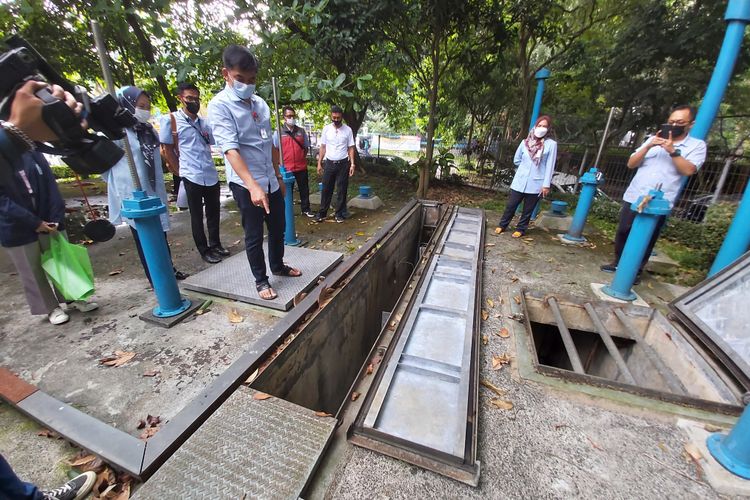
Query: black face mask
x=336 y=123
x=193 y=107
x=665 y=129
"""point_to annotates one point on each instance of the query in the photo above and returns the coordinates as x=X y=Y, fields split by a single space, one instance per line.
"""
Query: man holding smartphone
x=666 y=158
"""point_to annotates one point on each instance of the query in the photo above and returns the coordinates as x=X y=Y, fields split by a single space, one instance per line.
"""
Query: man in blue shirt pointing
x=241 y=123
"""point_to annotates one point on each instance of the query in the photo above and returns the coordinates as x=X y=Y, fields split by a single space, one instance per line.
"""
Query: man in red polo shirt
x=295 y=146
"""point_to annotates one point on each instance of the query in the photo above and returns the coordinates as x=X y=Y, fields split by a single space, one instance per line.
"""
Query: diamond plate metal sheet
x=424 y=399
x=233 y=279
x=247 y=449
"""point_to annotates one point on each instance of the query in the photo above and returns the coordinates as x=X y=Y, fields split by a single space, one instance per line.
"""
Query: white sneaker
x=82 y=306
x=58 y=317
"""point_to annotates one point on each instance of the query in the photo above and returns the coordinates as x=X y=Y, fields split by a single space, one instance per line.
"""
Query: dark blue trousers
x=12 y=488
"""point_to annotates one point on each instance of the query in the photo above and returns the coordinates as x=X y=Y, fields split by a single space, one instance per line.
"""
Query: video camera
x=85 y=152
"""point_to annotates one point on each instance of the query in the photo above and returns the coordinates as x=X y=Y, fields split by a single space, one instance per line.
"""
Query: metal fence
x=493 y=169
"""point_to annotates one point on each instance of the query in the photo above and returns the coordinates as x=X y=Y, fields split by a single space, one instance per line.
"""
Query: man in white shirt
x=335 y=164
x=660 y=160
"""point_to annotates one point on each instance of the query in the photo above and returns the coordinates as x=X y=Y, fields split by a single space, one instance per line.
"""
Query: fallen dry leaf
x=48 y=434
x=485 y=315
x=82 y=460
x=489 y=245
x=118 y=359
x=148 y=433
x=593 y=444
x=514 y=278
x=503 y=333
x=235 y=243
x=252 y=377
x=499 y=360
x=693 y=452
x=370 y=369
x=485 y=339
x=490 y=303
x=355 y=396
x=517 y=298
x=501 y=404
x=115 y=272
x=493 y=388
x=234 y=316
x=322 y=414
x=360 y=233
x=493 y=270
x=151 y=373
x=261 y=396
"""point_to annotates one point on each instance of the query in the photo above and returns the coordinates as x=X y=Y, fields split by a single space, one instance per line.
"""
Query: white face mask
x=142 y=115
x=243 y=90
x=540 y=132
x=291 y=122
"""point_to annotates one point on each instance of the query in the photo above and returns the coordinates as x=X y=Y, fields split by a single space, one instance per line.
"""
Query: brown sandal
x=262 y=287
x=288 y=271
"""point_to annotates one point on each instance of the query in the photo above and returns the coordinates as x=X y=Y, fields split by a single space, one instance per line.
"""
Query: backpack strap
x=175 y=140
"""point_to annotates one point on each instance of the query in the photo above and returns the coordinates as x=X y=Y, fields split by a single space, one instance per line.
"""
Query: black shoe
x=346 y=215
x=318 y=218
x=75 y=489
x=308 y=214
x=180 y=275
x=608 y=268
x=210 y=257
x=220 y=251
x=339 y=219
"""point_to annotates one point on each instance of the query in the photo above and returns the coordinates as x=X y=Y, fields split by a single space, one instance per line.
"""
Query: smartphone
x=664 y=130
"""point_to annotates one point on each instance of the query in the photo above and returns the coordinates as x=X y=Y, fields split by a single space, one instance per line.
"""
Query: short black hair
x=182 y=87
x=287 y=108
x=681 y=107
x=336 y=109
x=239 y=57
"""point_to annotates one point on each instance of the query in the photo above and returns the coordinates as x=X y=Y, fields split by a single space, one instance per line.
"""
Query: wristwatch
x=675 y=153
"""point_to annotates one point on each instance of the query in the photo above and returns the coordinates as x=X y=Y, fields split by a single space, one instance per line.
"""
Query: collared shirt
x=530 y=177
x=337 y=141
x=194 y=139
x=658 y=168
x=244 y=125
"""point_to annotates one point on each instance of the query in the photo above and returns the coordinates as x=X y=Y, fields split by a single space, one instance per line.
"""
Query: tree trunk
x=148 y=52
x=468 y=141
x=424 y=174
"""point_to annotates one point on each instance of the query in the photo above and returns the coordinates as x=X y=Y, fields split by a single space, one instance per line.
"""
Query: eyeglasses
x=192 y=99
x=679 y=123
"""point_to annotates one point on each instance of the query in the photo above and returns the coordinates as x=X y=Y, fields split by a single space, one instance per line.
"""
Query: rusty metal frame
x=551 y=371
x=141 y=459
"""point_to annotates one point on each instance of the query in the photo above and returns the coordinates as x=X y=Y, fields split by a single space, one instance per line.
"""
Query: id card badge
x=263 y=133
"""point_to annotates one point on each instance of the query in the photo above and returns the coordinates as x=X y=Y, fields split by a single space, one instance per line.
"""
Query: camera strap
x=175 y=139
x=197 y=129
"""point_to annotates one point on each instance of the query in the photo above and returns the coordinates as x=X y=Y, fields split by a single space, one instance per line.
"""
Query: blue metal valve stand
x=589 y=181
x=145 y=210
x=290 y=234
x=540 y=76
x=733 y=450
x=636 y=245
x=365 y=191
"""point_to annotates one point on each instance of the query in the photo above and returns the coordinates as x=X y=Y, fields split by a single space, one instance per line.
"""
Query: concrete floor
x=552 y=444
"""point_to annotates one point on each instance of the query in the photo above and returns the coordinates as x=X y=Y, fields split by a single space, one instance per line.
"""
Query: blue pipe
x=589 y=181
x=733 y=450
x=636 y=245
x=540 y=76
x=290 y=235
x=737 y=239
x=145 y=211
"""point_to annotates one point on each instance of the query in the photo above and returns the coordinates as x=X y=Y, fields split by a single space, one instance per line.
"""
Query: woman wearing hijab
x=144 y=143
x=535 y=159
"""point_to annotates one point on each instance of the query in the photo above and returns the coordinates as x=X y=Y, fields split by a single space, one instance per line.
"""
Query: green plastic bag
x=69 y=268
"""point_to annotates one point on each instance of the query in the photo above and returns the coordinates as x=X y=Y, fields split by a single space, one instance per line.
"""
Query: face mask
x=540 y=132
x=142 y=115
x=193 y=107
x=243 y=90
x=336 y=123
x=291 y=122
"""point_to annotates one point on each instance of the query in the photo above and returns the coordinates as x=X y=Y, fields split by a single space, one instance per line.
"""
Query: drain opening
x=594 y=356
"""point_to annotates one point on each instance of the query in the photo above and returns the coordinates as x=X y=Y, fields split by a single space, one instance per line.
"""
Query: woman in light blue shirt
x=535 y=159
x=144 y=144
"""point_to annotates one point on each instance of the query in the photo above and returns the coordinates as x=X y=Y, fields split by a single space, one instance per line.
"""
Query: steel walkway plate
x=265 y=449
x=233 y=279
x=425 y=402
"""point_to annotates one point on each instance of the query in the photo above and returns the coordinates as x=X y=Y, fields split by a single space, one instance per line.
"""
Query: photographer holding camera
x=17 y=135
x=31 y=206
x=666 y=158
